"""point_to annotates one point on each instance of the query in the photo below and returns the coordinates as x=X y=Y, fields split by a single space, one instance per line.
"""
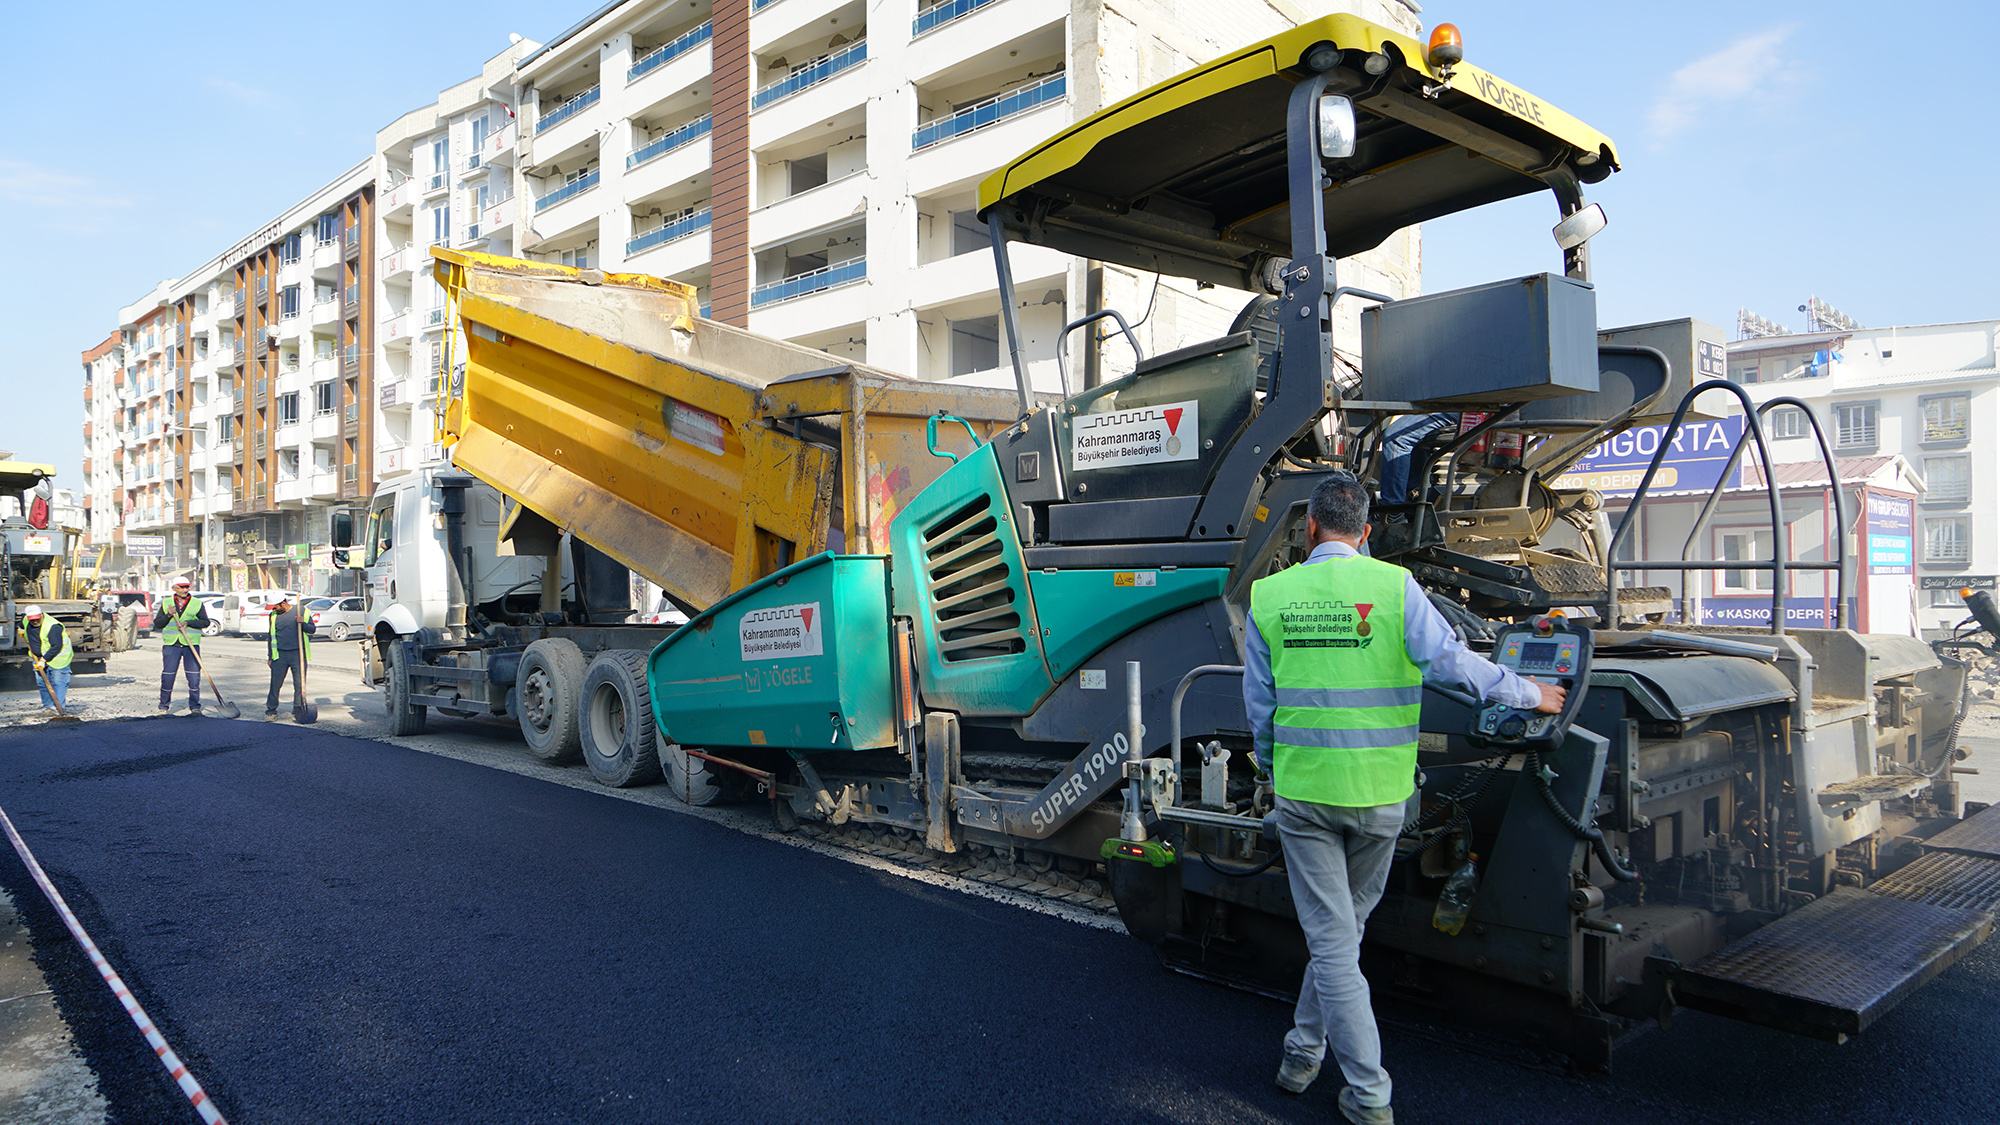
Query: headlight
x=1336 y=127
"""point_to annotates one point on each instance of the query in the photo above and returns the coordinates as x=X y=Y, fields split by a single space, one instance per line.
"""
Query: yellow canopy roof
x=19 y=476
x=1188 y=177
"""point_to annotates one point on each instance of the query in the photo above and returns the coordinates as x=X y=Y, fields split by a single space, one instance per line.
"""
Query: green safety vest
x=305 y=638
x=60 y=659
x=1348 y=695
x=178 y=631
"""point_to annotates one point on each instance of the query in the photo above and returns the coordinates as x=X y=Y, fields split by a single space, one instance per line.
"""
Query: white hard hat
x=31 y=611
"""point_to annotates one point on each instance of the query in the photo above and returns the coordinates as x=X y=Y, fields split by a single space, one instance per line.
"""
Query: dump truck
x=36 y=559
x=1024 y=655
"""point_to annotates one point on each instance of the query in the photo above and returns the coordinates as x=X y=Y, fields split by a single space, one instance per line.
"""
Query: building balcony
x=566 y=126
x=567 y=210
x=325 y=256
x=323 y=368
x=324 y=485
x=806 y=77
x=399 y=201
x=667 y=52
x=292 y=491
x=324 y=427
x=568 y=191
x=988 y=144
x=436 y=184
x=990 y=112
x=567 y=110
x=433 y=320
x=498 y=219
x=325 y=312
x=668 y=175
x=662 y=145
x=817 y=208
x=398 y=330
x=670 y=232
x=500 y=144
x=952 y=280
x=291 y=326
x=774 y=20
x=960 y=31
x=832 y=276
x=400 y=263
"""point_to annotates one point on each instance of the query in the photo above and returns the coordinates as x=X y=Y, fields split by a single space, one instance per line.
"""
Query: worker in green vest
x=291 y=631
x=49 y=648
x=1335 y=660
x=180 y=623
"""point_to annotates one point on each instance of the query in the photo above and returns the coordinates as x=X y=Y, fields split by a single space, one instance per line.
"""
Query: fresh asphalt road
x=335 y=929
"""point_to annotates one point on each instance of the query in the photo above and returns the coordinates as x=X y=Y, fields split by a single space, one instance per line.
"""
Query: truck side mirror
x=342 y=530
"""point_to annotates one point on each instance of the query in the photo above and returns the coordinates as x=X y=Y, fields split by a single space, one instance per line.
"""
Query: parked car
x=214 y=603
x=248 y=612
x=338 y=618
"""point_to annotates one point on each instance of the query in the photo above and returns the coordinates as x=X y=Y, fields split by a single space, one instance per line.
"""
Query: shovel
x=304 y=710
x=228 y=710
x=61 y=715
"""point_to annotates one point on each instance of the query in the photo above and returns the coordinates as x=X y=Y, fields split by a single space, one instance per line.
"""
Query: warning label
x=1146 y=435
x=781 y=631
x=695 y=426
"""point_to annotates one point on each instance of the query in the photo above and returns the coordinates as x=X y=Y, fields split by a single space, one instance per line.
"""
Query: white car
x=248 y=612
x=336 y=619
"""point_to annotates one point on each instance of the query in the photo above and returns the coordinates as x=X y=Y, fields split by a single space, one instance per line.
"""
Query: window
x=288 y=408
x=1788 y=422
x=1746 y=373
x=381 y=529
x=579 y=259
x=480 y=195
x=1854 y=425
x=479 y=128
x=441 y=154
x=1947 y=539
x=326 y=229
x=324 y=399
x=1948 y=479
x=225 y=427
x=288 y=302
x=1946 y=599
x=1947 y=418
x=975 y=345
x=968 y=234
x=441 y=223
x=288 y=250
x=1747 y=544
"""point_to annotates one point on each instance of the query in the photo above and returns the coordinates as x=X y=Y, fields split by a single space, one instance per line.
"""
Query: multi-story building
x=102 y=490
x=448 y=180
x=811 y=167
x=1929 y=393
x=240 y=418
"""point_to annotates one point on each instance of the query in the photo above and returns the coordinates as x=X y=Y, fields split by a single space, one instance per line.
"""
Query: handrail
x=811 y=74
x=669 y=232
x=930 y=435
x=853 y=269
x=577 y=186
x=672 y=49
x=937 y=15
x=992 y=111
x=568 y=108
x=661 y=145
x=1062 y=343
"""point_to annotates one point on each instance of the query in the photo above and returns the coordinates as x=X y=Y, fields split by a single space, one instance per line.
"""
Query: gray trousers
x=1338 y=861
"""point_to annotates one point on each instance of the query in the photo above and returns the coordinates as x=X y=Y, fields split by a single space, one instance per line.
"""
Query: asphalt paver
x=336 y=929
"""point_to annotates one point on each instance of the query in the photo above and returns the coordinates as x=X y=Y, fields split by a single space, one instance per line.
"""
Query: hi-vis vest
x=305 y=638
x=178 y=631
x=60 y=659
x=1348 y=695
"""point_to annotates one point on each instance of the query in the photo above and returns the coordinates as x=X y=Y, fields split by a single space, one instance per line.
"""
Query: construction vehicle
x=1029 y=657
x=36 y=559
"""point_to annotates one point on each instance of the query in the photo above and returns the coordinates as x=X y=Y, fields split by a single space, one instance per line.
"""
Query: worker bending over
x=1337 y=653
x=49 y=648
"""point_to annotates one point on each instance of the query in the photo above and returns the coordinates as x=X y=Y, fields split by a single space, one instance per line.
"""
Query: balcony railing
x=679 y=228
x=812 y=74
x=660 y=146
x=434 y=317
x=940 y=14
x=435 y=183
x=568 y=109
x=989 y=112
x=353 y=294
x=826 y=277
x=353 y=237
x=667 y=52
x=577 y=186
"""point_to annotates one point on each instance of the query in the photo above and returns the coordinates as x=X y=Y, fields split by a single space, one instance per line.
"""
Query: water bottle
x=1456 y=901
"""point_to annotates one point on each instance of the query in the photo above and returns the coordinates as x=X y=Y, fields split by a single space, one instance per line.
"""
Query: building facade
x=1929 y=394
x=241 y=414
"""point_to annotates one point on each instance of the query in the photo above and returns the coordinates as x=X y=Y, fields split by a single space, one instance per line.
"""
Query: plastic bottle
x=1456 y=901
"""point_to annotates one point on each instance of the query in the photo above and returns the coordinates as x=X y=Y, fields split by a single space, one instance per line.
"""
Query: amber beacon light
x=1447 y=49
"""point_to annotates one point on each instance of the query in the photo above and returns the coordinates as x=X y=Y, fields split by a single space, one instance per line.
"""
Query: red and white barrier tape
x=195 y=1094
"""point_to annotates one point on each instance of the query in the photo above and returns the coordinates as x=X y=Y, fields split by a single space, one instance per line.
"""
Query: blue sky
x=1772 y=151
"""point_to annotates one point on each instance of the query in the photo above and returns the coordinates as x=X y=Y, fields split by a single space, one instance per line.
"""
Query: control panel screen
x=1529 y=655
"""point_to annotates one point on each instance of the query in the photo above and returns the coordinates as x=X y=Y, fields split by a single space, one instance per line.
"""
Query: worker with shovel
x=290 y=650
x=180 y=623
x=49 y=648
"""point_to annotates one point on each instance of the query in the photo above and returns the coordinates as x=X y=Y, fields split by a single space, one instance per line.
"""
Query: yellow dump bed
x=699 y=455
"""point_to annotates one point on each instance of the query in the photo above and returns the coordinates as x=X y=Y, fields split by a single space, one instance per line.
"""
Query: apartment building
x=811 y=167
x=101 y=492
x=447 y=171
x=236 y=419
x=1929 y=395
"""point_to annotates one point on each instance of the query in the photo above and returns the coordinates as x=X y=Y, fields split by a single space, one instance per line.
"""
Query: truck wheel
x=619 y=740
x=693 y=780
x=550 y=687
x=405 y=717
x=124 y=629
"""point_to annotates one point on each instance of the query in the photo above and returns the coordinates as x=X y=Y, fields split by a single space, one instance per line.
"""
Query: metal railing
x=989 y=112
x=435 y=183
x=662 y=145
x=434 y=316
x=670 y=50
x=668 y=232
x=568 y=109
x=577 y=186
x=798 y=285
x=811 y=74
x=353 y=294
x=940 y=14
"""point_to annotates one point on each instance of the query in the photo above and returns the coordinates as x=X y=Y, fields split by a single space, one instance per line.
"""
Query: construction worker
x=1333 y=684
x=290 y=647
x=49 y=648
x=179 y=622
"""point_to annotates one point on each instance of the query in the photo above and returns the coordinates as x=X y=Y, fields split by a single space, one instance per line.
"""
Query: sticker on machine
x=695 y=426
x=780 y=631
x=1145 y=435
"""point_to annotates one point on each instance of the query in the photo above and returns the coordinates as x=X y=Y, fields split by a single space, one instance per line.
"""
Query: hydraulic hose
x=1590 y=832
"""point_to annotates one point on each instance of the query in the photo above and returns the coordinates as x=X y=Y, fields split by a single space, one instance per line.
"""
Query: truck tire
x=124 y=629
x=693 y=780
x=620 y=744
x=549 y=686
x=405 y=717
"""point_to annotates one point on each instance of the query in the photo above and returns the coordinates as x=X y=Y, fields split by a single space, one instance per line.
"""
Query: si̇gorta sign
x=1695 y=459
